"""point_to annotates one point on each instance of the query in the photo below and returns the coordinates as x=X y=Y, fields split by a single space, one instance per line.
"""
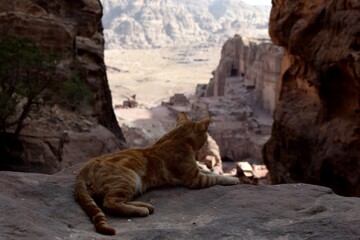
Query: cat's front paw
x=232 y=181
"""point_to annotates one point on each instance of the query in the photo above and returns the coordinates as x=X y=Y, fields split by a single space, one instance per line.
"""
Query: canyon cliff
x=42 y=206
x=316 y=132
x=74 y=30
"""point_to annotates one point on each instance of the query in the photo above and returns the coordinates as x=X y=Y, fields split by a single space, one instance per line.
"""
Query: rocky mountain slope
x=164 y=23
x=316 y=133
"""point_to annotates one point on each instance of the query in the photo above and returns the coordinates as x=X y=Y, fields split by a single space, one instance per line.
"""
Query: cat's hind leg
x=119 y=206
x=118 y=199
x=142 y=204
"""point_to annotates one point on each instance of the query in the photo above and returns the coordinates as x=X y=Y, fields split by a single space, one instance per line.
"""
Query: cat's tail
x=88 y=204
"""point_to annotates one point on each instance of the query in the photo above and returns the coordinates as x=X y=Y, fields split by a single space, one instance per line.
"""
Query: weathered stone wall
x=315 y=136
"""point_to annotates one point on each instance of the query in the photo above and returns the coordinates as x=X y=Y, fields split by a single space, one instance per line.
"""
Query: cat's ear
x=202 y=125
x=181 y=118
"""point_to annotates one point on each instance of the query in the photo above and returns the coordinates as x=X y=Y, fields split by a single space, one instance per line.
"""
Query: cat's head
x=191 y=132
x=195 y=131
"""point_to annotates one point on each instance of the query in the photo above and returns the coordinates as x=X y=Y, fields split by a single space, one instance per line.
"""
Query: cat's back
x=112 y=162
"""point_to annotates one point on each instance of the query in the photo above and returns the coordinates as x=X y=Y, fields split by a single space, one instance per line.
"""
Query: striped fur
x=114 y=179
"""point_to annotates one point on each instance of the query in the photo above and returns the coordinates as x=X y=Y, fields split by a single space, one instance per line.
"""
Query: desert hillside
x=171 y=23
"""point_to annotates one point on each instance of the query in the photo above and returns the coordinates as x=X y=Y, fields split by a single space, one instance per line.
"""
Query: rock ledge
x=38 y=206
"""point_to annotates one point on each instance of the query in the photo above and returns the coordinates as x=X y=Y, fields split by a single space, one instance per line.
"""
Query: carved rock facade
x=255 y=62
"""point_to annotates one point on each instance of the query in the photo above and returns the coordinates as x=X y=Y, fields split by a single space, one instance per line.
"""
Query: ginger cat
x=114 y=179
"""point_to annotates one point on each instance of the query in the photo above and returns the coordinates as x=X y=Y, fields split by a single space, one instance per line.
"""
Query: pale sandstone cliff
x=74 y=29
x=241 y=96
x=256 y=62
x=316 y=132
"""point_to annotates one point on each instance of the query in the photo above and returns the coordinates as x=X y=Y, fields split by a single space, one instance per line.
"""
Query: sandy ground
x=156 y=74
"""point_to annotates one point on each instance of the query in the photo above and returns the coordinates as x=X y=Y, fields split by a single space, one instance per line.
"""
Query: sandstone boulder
x=38 y=206
x=209 y=155
x=54 y=139
x=50 y=152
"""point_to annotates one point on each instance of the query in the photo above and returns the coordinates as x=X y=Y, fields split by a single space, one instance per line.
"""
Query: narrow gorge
x=292 y=102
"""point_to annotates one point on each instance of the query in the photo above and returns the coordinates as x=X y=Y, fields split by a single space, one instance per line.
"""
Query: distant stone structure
x=178 y=100
x=131 y=102
x=200 y=90
x=240 y=97
x=256 y=63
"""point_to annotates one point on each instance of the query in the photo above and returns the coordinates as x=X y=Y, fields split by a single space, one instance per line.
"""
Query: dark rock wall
x=57 y=137
x=316 y=131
